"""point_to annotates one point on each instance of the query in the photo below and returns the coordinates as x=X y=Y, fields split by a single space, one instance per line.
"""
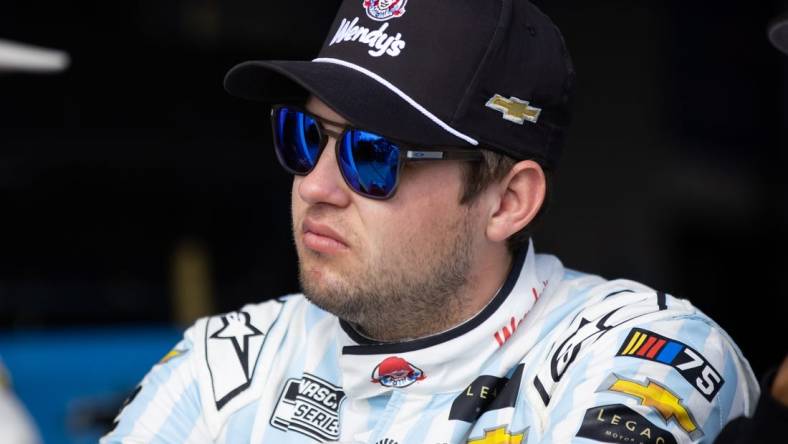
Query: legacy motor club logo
x=619 y=423
x=396 y=372
x=382 y=10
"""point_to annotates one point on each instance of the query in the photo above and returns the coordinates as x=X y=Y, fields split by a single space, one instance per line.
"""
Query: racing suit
x=556 y=356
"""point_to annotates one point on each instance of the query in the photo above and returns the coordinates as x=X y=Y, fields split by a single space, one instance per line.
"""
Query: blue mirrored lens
x=296 y=140
x=369 y=162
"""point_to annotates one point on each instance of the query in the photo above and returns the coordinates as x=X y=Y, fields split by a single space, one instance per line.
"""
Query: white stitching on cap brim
x=401 y=94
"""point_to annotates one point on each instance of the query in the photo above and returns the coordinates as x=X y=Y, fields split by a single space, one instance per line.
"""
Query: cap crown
x=496 y=71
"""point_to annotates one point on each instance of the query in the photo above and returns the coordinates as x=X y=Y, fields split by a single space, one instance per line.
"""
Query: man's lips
x=322 y=238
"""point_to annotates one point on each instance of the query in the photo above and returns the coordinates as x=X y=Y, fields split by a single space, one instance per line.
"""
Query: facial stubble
x=404 y=293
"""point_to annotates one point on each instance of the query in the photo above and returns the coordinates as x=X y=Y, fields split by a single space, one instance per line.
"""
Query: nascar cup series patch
x=382 y=10
x=309 y=406
x=644 y=344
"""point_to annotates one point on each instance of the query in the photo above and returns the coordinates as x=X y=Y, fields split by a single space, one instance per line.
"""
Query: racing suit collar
x=449 y=361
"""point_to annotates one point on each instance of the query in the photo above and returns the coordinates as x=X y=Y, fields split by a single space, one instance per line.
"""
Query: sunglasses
x=369 y=162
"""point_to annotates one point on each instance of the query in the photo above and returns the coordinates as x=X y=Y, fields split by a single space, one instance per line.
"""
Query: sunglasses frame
x=406 y=154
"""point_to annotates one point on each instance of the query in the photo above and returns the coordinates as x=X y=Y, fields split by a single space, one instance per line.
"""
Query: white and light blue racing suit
x=557 y=356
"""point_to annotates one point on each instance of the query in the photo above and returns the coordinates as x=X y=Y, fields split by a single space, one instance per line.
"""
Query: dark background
x=673 y=174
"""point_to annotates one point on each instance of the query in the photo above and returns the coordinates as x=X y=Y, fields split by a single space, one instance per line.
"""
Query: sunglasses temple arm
x=443 y=155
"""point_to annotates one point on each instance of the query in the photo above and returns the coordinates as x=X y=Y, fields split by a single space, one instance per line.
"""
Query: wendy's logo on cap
x=396 y=372
x=378 y=40
x=382 y=10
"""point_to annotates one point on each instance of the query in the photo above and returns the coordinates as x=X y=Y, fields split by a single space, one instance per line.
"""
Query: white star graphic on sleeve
x=237 y=328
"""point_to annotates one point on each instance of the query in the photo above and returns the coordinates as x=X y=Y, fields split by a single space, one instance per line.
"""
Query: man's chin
x=329 y=292
x=331 y=301
x=318 y=271
x=319 y=283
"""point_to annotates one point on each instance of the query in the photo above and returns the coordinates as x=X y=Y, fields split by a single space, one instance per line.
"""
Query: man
x=421 y=144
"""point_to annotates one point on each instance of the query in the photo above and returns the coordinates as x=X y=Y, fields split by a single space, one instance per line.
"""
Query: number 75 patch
x=644 y=344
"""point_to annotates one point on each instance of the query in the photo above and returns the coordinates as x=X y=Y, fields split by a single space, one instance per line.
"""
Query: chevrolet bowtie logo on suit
x=652 y=394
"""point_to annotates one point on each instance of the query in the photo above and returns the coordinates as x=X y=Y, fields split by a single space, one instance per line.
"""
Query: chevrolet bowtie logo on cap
x=514 y=109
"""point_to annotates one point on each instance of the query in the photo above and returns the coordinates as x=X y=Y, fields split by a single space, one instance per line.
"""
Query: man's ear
x=520 y=195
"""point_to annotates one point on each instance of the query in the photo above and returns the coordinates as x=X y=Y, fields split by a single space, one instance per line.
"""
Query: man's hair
x=492 y=168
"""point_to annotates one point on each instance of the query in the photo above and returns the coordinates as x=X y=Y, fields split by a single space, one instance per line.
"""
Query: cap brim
x=364 y=101
x=778 y=34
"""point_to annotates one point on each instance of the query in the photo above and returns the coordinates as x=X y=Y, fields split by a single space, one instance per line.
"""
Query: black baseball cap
x=778 y=33
x=488 y=73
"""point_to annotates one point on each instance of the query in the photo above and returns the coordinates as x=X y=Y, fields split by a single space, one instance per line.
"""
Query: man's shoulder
x=590 y=295
x=623 y=318
x=622 y=339
x=237 y=338
x=223 y=363
x=235 y=353
x=253 y=317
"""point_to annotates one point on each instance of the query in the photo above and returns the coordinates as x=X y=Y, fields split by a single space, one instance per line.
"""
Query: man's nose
x=324 y=184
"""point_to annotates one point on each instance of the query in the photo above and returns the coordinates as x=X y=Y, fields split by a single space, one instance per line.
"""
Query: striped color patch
x=651 y=346
x=644 y=344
